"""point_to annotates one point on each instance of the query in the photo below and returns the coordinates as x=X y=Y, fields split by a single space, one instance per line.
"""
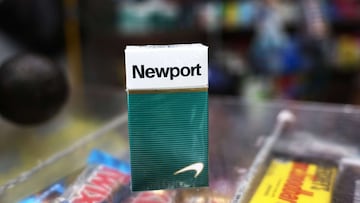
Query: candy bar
x=98 y=184
x=296 y=182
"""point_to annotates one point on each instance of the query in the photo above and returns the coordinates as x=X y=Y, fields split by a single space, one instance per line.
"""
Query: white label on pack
x=166 y=66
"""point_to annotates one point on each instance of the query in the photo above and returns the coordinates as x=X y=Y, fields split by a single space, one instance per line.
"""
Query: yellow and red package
x=288 y=181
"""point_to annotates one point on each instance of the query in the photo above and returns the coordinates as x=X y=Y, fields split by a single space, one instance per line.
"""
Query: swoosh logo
x=197 y=167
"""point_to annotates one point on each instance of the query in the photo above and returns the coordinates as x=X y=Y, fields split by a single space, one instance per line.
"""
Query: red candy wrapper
x=156 y=196
x=98 y=184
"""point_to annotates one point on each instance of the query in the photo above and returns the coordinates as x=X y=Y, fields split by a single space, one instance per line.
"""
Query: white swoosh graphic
x=197 y=167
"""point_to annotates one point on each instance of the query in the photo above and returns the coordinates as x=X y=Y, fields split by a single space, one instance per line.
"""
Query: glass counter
x=32 y=158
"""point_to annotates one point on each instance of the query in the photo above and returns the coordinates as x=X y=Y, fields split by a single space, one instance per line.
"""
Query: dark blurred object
x=32 y=89
x=347 y=9
x=221 y=82
x=36 y=23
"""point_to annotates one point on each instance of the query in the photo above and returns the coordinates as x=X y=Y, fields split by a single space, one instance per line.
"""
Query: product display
x=99 y=184
x=95 y=158
x=52 y=192
x=98 y=157
x=47 y=195
x=167 y=115
x=167 y=101
x=288 y=181
x=105 y=180
x=317 y=151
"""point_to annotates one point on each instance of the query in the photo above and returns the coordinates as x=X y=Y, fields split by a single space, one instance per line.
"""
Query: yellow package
x=295 y=182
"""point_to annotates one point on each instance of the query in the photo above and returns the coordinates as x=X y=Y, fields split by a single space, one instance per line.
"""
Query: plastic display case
x=243 y=136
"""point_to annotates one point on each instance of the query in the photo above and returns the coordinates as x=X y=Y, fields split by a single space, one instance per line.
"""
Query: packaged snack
x=98 y=157
x=95 y=158
x=98 y=184
x=47 y=195
x=288 y=181
x=50 y=193
x=167 y=96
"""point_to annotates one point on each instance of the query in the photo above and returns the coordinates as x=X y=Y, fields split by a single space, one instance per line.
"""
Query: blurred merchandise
x=290 y=11
x=210 y=15
x=52 y=192
x=315 y=19
x=320 y=135
x=47 y=195
x=295 y=181
x=274 y=38
x=221 y=82
x=105 y=179
x=136 y=17
x=258 y=89
x=226 y=70
x=97 y=157
x=98 y=184
x=246 y=13
x=348 y=52
x=311 y=39
x=230 y=14
x=289 y=86
x=270 y=40
x=269 y=54
x=347 y=9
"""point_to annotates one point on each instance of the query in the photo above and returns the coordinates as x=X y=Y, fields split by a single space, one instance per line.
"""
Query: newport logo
x=166 y=72
x=197 y=167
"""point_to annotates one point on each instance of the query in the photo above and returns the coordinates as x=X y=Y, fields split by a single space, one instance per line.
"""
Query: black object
x=32 y=89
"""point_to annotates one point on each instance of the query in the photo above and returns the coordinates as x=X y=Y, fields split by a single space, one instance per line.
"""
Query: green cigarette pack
x=167 y=93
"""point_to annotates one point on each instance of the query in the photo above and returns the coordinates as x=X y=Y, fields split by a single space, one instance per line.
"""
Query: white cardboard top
x=166 y=66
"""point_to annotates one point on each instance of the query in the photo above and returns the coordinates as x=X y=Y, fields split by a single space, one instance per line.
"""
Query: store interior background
x=259 y=50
